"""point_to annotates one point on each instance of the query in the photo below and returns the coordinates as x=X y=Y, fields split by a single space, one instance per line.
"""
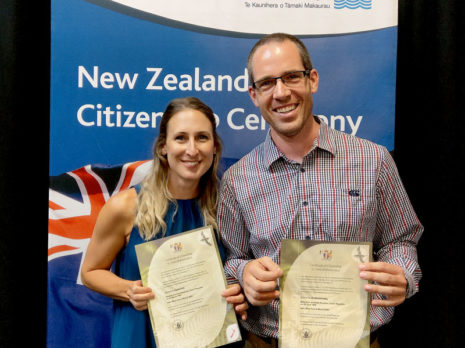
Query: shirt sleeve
x=233 y=232
x=398 y=228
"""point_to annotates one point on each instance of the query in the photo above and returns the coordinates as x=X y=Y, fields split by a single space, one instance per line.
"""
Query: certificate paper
x=186 y=275
x=322 y=302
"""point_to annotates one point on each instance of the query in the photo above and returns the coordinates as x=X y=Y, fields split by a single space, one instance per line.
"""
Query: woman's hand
x=234 y=295
x=139 y=295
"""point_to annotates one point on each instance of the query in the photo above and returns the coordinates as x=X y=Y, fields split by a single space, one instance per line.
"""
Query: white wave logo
x=352 y=4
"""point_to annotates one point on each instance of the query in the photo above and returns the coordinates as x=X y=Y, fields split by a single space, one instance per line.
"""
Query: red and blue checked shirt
x=345 y=189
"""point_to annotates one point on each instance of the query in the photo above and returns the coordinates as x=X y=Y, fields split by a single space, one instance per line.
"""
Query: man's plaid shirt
x=346 y=189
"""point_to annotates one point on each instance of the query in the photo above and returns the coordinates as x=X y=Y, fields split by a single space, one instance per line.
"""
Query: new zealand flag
x=77 y=316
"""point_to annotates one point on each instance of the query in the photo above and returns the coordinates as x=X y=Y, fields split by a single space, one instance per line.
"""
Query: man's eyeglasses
x=290 y=79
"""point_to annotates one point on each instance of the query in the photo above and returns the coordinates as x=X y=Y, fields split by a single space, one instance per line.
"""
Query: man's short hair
x=280 y=37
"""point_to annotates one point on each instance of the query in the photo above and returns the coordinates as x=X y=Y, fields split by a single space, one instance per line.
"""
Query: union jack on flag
x=77 y=316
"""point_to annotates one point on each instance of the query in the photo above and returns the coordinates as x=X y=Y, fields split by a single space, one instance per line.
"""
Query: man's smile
x=286 y=108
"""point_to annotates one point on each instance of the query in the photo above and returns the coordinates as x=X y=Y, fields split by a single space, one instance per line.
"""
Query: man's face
x=287 y=110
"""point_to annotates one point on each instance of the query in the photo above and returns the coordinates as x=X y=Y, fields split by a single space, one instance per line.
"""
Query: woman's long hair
x=154 y=197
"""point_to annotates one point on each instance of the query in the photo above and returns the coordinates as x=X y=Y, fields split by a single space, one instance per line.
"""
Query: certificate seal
x=306 y=334
x=178 y=325
x=232 y=332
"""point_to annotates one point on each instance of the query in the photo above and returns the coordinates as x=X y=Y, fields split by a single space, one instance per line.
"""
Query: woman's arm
x=111 y=233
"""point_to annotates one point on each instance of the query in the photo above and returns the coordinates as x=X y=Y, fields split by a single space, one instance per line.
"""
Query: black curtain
x=24 y=133
x=429 y=151
x=430 y=154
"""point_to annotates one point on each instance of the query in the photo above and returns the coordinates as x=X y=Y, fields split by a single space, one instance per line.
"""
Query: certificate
x=322 y=302
x=186 y=275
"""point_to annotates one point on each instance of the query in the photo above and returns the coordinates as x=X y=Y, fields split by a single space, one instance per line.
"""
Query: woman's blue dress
x=132 y=328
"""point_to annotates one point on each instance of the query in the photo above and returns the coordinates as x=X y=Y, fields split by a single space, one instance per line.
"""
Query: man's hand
x=390 y=281
x=260 y=278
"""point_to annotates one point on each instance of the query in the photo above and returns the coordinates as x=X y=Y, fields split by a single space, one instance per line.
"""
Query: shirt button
x=305 y=203
x=302 y=169
x=307 y=237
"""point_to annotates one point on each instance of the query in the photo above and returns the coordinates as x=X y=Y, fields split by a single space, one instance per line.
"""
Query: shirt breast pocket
x=346 y=213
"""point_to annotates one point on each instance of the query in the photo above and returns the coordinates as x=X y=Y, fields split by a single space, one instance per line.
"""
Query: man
x=307 y=181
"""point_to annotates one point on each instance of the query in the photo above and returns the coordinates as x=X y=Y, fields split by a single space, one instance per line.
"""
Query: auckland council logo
x=352 y=4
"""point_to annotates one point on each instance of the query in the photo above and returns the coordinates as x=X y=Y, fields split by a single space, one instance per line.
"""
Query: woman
x=179 y=194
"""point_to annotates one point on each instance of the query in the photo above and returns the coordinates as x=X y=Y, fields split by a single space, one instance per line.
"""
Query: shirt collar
x=324 y=141
x=270 y=150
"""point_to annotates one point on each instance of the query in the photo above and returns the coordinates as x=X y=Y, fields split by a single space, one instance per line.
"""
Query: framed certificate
x=323 y=302
x=186 y=275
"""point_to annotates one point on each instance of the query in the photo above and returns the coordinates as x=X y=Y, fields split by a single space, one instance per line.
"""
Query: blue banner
x=114 y=70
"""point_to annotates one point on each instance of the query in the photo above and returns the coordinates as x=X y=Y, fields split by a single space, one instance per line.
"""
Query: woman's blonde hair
x=154 y=197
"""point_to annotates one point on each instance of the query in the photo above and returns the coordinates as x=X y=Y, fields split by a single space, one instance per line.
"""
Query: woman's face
x=189 y=149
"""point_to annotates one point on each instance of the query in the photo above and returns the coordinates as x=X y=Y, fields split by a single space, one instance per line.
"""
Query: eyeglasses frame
x=306 y=73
